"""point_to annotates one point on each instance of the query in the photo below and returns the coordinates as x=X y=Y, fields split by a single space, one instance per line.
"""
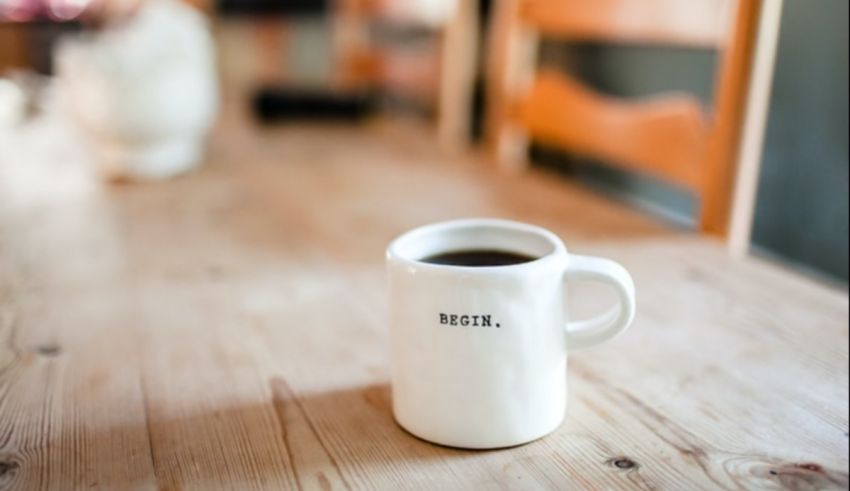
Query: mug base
x=460 y=444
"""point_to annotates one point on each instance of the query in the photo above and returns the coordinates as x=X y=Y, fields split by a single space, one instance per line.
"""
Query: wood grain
x=226 y=330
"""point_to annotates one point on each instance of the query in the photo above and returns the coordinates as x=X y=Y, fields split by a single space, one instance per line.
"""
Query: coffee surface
x=478 y=257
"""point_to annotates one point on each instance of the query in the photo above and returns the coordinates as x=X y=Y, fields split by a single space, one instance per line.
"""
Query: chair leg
x=351 y=46
x=752 y=133
x=510 y=71
x=458 y=67
x=509 y=148
x=272 y=42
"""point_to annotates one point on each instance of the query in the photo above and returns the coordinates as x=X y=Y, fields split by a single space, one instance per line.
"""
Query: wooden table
x=226 y=330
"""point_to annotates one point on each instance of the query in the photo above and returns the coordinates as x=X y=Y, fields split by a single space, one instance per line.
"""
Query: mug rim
x=558 y=249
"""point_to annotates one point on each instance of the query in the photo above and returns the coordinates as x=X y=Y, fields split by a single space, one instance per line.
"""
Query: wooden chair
x=14 y=54
x=444 y=79
x=670 y=137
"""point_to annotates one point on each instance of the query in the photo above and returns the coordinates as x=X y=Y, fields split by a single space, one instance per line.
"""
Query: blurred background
x=142 y=82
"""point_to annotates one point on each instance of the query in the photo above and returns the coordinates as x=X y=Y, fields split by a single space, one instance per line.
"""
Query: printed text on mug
x=467 y=320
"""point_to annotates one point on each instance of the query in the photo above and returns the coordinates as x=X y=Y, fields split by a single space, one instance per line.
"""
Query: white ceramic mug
x=479 y=354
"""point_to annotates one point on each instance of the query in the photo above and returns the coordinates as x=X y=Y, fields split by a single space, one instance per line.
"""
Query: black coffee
x=478 y=257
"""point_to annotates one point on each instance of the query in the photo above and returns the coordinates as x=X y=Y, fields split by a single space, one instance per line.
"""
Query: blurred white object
x=13 y=104
x=144 y=91
x=430 y=12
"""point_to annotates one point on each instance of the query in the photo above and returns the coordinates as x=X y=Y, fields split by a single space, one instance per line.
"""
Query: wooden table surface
x=227 y=330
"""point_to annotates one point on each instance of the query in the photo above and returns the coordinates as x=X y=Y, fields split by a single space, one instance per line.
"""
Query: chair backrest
x=669 y=136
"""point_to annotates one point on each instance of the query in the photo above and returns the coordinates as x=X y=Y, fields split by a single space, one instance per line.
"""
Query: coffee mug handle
x=589 y=332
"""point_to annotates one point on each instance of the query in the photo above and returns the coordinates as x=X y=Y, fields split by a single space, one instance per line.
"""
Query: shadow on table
x=342 y=438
